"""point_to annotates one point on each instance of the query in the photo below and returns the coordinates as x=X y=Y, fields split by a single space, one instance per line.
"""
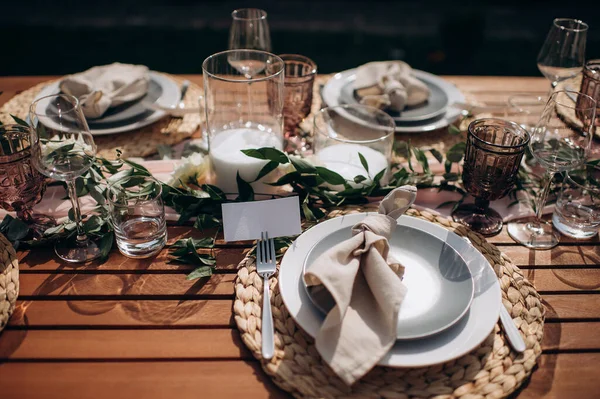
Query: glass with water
x=577 y=210
x=137 y=214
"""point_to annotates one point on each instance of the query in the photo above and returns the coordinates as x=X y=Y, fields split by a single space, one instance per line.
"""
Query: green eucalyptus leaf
x=246 y=193
x=267 y=153
x=364 y=162
x=437 y=155
x=105 y=244
x=359 y=179
x=456 y=152
x=422 y=159
x=302 y=165
x=447 y=166
x=330 y=176
x=453 y=130
x=204 y=221
x=19 y=121
x=268 y=168
x=202 y=271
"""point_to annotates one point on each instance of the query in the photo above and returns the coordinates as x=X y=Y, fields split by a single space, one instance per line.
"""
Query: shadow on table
x=12 y=338
x=147 y=298
x=580 y=278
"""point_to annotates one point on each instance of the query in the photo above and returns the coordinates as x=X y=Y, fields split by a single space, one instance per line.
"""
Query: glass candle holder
x=244 y=110
x=300 y=73
x=577 y=209
x=590 y=85
x=137 y=214
x=493 y=154
x=345 y=131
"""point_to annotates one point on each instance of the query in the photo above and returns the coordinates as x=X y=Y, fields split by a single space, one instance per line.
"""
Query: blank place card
x=246 y=220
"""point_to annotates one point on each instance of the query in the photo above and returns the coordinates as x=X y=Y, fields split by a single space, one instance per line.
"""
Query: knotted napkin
x=366 y=284
x=389 y=85
x=102 y=87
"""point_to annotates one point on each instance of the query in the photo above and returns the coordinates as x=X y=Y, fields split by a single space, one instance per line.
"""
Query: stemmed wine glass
x=563 y=53
x=557 y=146
x=62 y=148
x=249 y=31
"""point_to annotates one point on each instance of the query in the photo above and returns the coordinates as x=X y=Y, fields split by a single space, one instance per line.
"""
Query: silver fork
x=266 y=266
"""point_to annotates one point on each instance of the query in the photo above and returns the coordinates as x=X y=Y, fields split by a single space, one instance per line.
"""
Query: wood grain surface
x=136 y=328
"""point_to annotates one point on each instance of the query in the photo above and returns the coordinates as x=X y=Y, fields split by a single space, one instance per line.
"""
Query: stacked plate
x=437 y=112
x=162 y=93
x=453 y=299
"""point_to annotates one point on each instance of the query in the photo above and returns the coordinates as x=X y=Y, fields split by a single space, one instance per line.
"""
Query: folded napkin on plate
x=102 y=87
x=366 y=284
x=389 y=85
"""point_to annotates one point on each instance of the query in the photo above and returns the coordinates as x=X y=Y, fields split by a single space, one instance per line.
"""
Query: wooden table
x=137 y=328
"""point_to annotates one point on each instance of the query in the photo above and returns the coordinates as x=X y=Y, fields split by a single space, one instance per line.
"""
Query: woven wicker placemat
x=9 y=280
x=491 y=370
x=135 y=143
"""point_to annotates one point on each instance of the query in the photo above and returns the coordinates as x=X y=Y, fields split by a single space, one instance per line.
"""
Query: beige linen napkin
x=102 y=87
x=366 y=284
x=389 y=85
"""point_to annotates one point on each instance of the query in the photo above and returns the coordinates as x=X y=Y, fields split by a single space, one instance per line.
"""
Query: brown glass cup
x=493 y=154
x=300 y=72
x=21 y=185
x=590 y=85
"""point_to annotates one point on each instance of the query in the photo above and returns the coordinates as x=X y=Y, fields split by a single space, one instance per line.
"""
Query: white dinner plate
x=449 y=344
x=335 y=92
x=136 y=114
x=438 y=281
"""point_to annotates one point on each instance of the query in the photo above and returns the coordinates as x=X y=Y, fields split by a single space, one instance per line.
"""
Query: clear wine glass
x=558 y=144
x=249 y=30
x=563 y=53
x=62 y=148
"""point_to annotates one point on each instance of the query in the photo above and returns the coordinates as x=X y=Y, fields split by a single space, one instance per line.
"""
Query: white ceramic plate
x=449 y=344
x=127 y=117
x=440 y=285
x=333 y=94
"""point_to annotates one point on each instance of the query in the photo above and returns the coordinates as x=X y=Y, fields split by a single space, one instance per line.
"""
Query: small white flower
x=193 y=168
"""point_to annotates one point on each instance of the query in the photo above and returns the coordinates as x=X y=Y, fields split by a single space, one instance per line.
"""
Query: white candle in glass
x=227 y=157
x=344 y=159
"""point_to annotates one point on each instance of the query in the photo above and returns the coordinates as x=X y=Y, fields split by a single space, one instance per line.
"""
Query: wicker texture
x=136 y=143
x=491 y=370
x=9 y=280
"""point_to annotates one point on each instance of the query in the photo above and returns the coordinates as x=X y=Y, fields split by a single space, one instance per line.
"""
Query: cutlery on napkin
x=389 y=85
x=102 y=87
x=366 y=284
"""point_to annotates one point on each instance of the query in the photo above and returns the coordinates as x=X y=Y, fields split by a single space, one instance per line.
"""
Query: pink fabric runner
x=54 y=203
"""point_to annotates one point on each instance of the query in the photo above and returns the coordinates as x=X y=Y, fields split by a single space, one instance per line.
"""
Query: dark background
x=442 y=37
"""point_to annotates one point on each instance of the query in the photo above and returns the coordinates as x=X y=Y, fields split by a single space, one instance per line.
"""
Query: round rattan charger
x=491 y=370
x=9 y=280
x=135 y=143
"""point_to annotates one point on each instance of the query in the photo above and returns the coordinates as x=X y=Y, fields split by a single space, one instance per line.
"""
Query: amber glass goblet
x=493 y=154
x=21 y=185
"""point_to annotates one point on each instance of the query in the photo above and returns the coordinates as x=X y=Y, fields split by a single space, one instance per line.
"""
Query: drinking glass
x=525 y=109
x=249 y=30
x=577 y=210
x=300 y=72
x=557 y=146
x=137 y=214
x=62 y=148
x=563 y=53
x=493 y=155
x=242 y=112
x=22 y=185
x=590 y=84
x=343 y=132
